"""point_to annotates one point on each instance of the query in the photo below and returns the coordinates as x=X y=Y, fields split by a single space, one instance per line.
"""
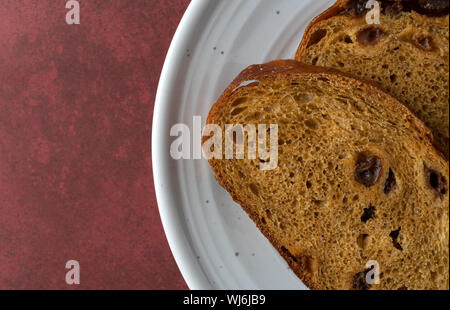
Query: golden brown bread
x=358 y=178
x=407 y=54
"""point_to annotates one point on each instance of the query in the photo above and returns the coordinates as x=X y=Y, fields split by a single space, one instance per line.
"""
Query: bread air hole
x=254 y=189
x=316 y=37
x=391 y=182
x=362 y=241
x=437 y=181
x=434 y=276
x=239 y=101
x=255 y=116
x=369 y=213
x=312 y=124
x=394 y=235
x=303 y=98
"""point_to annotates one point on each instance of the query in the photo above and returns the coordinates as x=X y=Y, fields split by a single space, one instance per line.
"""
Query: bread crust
x=334 y=10
x=288 y=67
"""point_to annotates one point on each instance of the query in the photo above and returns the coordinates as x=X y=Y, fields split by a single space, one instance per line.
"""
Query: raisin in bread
x=357 y=179
x=407 y=54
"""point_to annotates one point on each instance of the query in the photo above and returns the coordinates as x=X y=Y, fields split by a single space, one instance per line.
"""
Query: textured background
x=76 y=107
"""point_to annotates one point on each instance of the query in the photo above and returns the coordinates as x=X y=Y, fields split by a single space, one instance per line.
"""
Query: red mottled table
x=76 y=107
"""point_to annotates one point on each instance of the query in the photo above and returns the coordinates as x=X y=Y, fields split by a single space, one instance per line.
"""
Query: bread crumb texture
x=358 y=178
x=407 y=55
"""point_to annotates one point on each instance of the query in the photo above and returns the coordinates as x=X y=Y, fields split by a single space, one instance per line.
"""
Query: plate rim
x=181 y=249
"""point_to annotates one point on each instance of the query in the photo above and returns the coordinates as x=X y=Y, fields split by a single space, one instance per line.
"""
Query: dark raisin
x=394 y=235
x=437 y=181
x=394 y=9
x=390 y=182
x=433 y=6
x=359 y=281
x=425 y=42
x=370 y=35
x=369 y=213
x=357 y=7
x=367 y=170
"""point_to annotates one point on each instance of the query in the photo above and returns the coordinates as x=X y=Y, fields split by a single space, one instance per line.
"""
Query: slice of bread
x=407 y=54
x=358 y=178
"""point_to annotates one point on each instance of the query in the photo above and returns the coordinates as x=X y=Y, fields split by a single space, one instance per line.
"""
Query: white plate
x=215 y=244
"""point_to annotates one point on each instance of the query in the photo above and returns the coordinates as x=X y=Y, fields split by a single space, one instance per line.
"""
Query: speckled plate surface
x=215 y=244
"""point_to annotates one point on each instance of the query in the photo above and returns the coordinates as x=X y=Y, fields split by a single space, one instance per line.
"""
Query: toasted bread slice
x=407 y=54
x=357 y=180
